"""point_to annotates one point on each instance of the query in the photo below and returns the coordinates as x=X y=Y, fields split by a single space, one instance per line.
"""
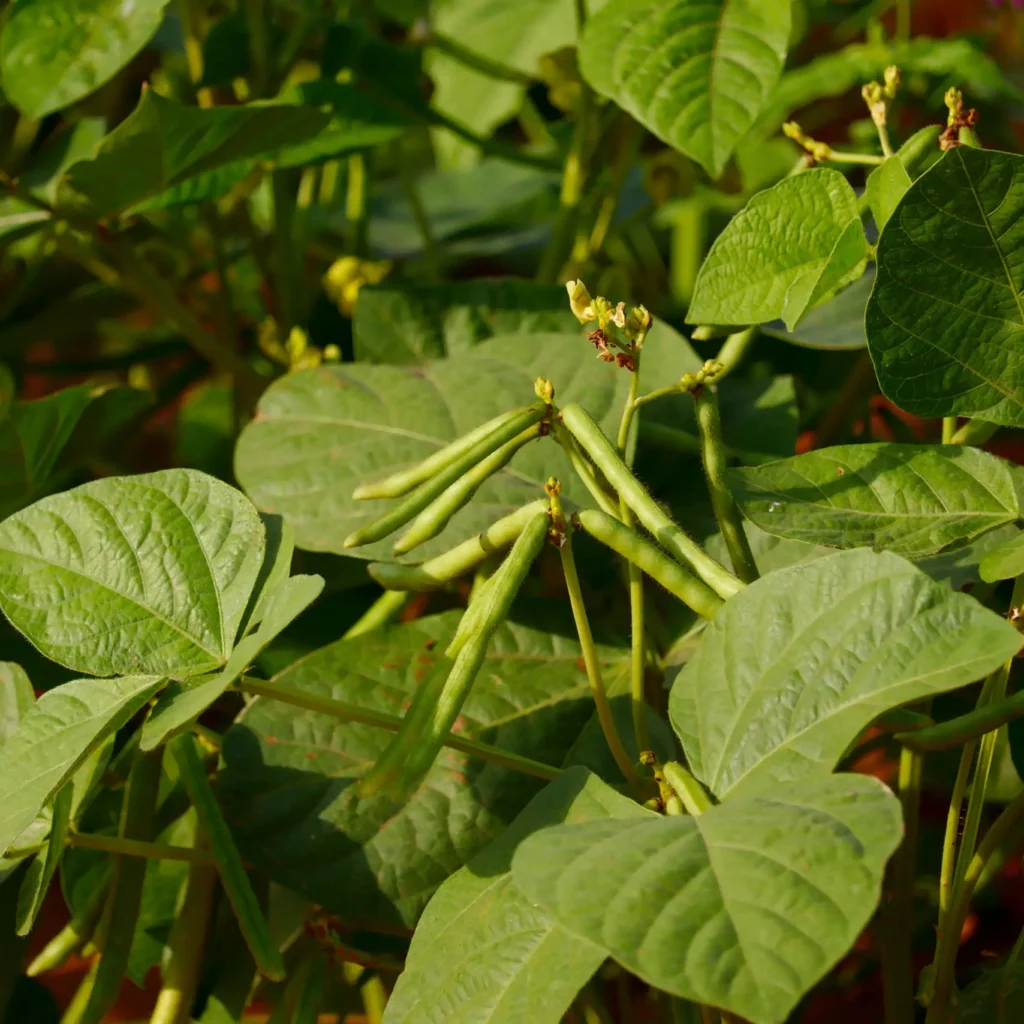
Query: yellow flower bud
x=580 y=302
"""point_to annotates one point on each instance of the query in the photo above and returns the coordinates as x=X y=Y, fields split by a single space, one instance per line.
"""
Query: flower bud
x=580 y=302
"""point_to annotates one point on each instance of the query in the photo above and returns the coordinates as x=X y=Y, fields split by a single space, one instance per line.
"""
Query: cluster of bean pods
x=434 y=490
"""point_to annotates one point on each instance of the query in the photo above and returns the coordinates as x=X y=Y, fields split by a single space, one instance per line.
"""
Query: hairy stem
x=637 y=650
x=345 y=712
x=383 y=611
x=727 y=512
x=897 y=952
x=592 y=662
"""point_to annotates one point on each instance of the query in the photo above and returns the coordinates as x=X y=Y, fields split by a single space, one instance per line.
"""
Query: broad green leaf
x=182 y=703
x=287 y=781
x=836 y=325
x=946 y=317
x=16 y=697
x=53 y=54
x=887 y=185
x=791 y=247
x=276 y=568
x=55 y=737
x=164 y=143
x=1005 y=562
x=744 y=908
x=997 y=997
x=697 y=74
x=40 y=872
x=962 y=564
x=914 y=500
x=481 y=952
x=414 y=323
x=320 y=432
x=798 y=663
x=150 y=572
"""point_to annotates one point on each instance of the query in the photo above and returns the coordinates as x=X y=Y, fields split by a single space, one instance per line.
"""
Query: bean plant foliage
x=499 y=524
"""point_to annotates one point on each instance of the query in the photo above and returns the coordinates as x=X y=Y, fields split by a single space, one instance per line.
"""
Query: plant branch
x=345 y=712
x=384 y=610
x=592 y=662
x=477 y=61
x=137 y=848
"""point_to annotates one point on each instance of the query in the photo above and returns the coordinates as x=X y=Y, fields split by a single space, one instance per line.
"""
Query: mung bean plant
x=509 y=512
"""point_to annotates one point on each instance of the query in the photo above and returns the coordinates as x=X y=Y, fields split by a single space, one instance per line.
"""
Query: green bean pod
x=665 y=532
x=958 y=731
x=436 y=516
x=236 y=883
x=405 y=480
x=614 y=534
x=432 y=488
x=74 y=935
x=459 y=560
x=138 y=821
x=436 y=706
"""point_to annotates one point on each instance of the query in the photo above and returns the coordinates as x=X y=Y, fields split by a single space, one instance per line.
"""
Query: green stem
x=975 y=432
x=289 y=263
x=488 y=146
x=431 y=254
x=585 y=471
x=993 y=690
x=637 y=647
x=947 y=869
x=182 y=969
x=733 y=351
x=346 y=712
x=574 y=175
x=355 y=203
x=897 y=950
x=478 y=62
x=259 y=42
x=383 y=611
x=727 y=512
x=868 y=159
x=939 y=1009
x=592 y=662
x=948 y=429
x=589 y=244
x=137 y=848
x=958 y=731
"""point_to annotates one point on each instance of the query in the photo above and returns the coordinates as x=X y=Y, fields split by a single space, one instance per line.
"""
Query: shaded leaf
x=997 y=997
x=483 y=953
x=148 y=572
x=911 y=499
x=163 y=143
x=791 y=247
x=38 y=438
x=54 y=738
x=287 y=781
x=837 y=324
x=798 y=663
x=945 y=320
x=1005 y=562
x=53 y=54
x=745 y=907
x=414 y=323
x=44 y=865
x=695 y=74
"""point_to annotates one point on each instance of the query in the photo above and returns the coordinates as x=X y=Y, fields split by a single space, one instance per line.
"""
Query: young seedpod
x=458 y=561
x=436 y=516
x=453 y=471
x=667 y=533
x=439 y=700
x=405 y=480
